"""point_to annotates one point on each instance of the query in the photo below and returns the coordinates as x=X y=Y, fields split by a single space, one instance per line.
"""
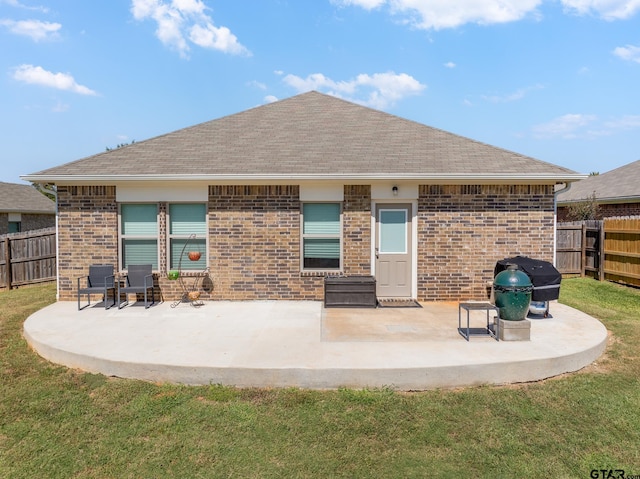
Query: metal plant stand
x=190 y=292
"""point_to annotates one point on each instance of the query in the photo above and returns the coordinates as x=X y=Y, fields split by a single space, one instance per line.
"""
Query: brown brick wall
x=32 y=222
x=254 y=238
x=87 y=233
x=606 y=210
x=28 y=222
x=464 y=229
x=623 y=209
x=254 y=244
x=356 y=218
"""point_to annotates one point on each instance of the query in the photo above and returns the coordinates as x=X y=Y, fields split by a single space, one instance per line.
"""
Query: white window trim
x=122 y=237
x=304 y=236
x=171 y=236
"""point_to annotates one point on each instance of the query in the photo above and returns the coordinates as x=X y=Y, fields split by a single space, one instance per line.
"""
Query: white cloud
x=627 y=122
x=440 y=14
x=574 y=126
x=379 y=90
x=17 y=4
x=450 y=65
x=35 y=29
x=216 y=38
x=270 y=99
x=515 y=96
x=39 y=76
x=366 y=4
x=257 y=84
x=629 y=52
x=183 y=21
x=607 y=9
x=60 y=107
x=567 y=126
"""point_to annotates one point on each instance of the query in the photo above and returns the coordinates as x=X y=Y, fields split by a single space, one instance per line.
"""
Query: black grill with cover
x=543 y=275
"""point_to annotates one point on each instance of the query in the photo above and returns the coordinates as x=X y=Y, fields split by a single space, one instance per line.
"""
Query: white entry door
x=393 y=250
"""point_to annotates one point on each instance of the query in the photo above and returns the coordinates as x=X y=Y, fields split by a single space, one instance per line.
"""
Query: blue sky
x=558 y=80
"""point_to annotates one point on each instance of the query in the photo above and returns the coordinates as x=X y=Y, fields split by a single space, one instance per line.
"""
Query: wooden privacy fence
x=27 y=258
x=622 y=250
x=606 y=250
x=578 y=248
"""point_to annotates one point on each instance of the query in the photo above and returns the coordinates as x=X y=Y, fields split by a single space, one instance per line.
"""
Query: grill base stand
x=514 y=330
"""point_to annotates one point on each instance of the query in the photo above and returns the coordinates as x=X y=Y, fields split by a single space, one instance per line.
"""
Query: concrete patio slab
x=302 y=344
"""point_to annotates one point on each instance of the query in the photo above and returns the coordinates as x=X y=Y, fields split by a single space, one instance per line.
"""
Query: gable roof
x=621 y=185
x=308 y=136
x=16 y=198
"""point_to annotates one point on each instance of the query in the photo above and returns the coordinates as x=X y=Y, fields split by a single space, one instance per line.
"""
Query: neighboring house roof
x=308 y=136
x=621 y=185
x=16 y=198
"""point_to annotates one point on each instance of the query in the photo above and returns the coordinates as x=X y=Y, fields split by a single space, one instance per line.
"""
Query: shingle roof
x=15 y=198
x=621 y=184
x=311 y=135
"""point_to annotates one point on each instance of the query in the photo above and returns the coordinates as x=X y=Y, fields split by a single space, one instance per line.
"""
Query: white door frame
x=414 y=237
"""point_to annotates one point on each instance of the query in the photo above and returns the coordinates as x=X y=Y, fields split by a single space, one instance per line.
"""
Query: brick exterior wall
x=28 y=222
x=87 y=233
x=356 y=219
x=254 y=244
x=254 y=239
x=464 y=229
x=622 y=209
x=607 y=210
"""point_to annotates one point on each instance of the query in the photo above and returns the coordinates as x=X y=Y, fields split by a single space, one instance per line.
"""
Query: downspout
x=53 y=192
x=555 y=220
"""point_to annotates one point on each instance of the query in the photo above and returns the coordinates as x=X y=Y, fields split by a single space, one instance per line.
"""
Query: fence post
x=7 y=261
x=583 y=255
x=601 y=252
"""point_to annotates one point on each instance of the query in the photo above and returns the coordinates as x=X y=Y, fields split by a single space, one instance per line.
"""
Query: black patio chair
x=139 y=279
x=100 y=280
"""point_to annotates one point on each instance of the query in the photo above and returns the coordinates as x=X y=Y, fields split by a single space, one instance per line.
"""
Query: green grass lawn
x=57 y=423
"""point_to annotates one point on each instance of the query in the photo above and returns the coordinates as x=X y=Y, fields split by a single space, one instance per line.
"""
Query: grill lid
x=543 y=275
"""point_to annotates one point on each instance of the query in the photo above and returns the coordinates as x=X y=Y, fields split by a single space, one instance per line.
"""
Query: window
x=392 y=228
x=187 y=233
x=15 y=223
x=321 y=236
x=139 y=234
